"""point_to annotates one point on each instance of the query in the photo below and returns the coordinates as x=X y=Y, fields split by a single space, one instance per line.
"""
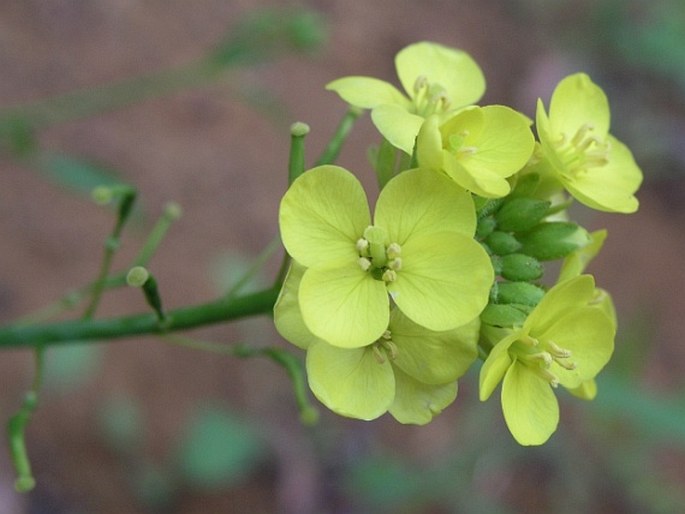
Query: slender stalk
x=92 y=330
x=111 y=246
x=16 y=427
x=332 y=150
x=172 y=212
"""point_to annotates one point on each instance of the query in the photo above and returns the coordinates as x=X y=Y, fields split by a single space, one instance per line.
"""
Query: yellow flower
x=436 y=79
x=595 y=167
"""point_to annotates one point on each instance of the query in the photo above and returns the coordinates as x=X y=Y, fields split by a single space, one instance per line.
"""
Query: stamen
x=364 y=263
x=544 y=357
x=394 y=251
x=362 y=246
x=391 y=347
x=557 y=351
x=470 y=150
x=395 y=264
x=569 y=365
x=580 y=134
x=420 y=83
x=378 y=354
x=389 y=275
x=528 y=340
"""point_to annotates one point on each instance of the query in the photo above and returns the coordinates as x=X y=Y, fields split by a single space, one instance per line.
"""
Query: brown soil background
x=225 y=164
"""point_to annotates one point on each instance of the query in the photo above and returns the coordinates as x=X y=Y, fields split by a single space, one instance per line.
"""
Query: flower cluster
x=392 y=309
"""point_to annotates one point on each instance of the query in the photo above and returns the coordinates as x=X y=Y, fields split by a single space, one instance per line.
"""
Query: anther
x=544 y=357
x=394 y=250
x=528 y=340
x=390 y=275
x=364 y=263
x=391 y=347
x=362 y=246
x=378 y=354
x=420 y=83
x=557 y=351
x=395 y=264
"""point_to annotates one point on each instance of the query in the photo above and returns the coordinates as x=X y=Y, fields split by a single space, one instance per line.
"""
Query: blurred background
x=140 y=426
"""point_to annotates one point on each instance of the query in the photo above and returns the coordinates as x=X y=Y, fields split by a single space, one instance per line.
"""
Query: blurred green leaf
x=16 y=136
x=68 y=367
x=121 y=423
x=219 y=449
x=383 y=482
x=72 y=172
x=656 y=416
x=265 y=34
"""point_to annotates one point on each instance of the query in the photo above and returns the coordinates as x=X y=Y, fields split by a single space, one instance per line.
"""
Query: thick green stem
x=223 y=309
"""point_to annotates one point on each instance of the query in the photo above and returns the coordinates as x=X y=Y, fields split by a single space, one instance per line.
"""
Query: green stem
x=111 y=246
x=16 y=427
x=217 y=311
x=332 y=150
x=171 y=213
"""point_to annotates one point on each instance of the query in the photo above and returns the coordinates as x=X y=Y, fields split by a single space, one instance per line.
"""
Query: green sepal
x=521 y=214
x=520 y=267
x=554 y=240
x=499 y=315
x=519 y=292
x=502 y=243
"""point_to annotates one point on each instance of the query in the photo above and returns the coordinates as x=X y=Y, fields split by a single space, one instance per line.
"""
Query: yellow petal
x=345 y=307
x=322 y=216
x=350 y=382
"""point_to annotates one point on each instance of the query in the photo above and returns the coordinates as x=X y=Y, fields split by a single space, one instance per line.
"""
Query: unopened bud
x=503 y=315
x=521 y=214
x=502 y=243
x=519 y=292
x=520 y=267
x=299 y=129
x=102 y=195
x=172 y=211
x=137 y=276
x=485 y=227
x=554 y=240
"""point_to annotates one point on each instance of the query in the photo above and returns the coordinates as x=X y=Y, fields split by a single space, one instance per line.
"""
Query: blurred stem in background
x=258 y=37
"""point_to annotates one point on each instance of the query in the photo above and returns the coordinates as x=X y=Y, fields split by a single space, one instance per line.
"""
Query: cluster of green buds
x=392 y=309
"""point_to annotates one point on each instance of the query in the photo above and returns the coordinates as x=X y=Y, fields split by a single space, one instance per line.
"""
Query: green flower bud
x=502 y=243
x=485 y=227
x=519 y=292
x=521 y=214
x=503 y=315
x=518 y=266
x=137 y=276
x=554 y=240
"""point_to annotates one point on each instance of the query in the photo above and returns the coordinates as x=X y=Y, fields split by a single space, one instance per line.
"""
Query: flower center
x=377 y=257
x=539 y=356
x=455 y=144
x=429 y=98
x=583 y=151
x=385 y=348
